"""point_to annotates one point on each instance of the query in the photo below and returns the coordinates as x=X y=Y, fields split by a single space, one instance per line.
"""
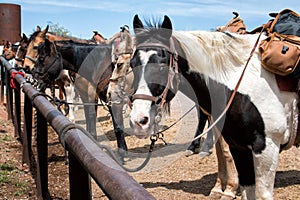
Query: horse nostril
x=144 y=120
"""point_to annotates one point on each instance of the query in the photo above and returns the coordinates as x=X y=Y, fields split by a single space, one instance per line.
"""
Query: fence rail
x=86 y=159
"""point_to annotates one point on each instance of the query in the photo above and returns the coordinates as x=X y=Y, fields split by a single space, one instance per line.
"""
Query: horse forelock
x=33 y=36
x=213 y=53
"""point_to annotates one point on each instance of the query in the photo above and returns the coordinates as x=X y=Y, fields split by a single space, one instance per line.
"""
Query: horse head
x=48 y=64
x=8 y=51
x=36 y=39
x=154 y=65
x=120 y=85
x=21 y=51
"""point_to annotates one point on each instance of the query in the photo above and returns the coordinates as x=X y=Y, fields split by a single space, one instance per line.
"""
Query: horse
x=260 y=121
x=9 y=50
x=21 y=51
x=91 y=62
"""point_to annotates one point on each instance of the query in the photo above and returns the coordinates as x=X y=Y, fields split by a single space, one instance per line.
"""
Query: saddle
x=280 y=51
x=235 y=25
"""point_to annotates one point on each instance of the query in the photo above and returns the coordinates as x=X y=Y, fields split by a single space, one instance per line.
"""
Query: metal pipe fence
x=86 y=159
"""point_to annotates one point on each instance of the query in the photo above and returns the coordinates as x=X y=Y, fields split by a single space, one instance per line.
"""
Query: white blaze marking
x=141 y=107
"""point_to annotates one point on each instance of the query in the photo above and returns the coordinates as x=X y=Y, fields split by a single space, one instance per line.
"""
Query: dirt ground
x=169 y=175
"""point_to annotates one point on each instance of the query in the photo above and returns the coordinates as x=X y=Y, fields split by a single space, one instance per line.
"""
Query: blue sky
x=84 y=16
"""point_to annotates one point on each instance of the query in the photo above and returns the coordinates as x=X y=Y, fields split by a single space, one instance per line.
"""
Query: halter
x=128 y=50
x=173 y=72
x=44 y=71
x=20 y=48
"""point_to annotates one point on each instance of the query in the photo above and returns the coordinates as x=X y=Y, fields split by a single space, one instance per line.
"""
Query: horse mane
x=33 y=36
x=152 y=29
x=214 y=53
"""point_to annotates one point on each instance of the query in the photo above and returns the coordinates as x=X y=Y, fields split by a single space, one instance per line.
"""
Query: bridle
x=121 y=83
x=43 y=71
x=121 y=80
x=23 y=50
x=173 y=73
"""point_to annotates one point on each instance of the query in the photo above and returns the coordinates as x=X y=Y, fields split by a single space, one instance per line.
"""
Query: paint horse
x=91 y=62
x=227 y=180
x=261 y=120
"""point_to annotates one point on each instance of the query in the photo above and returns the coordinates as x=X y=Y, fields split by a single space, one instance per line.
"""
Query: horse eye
x=35 y=47
x=162 y=67
x=119 y=65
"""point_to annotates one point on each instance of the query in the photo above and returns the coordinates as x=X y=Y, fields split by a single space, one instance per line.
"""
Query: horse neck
x=71 y=55
x=190 y=81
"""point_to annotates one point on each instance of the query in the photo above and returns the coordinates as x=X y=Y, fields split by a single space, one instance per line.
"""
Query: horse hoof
x=226 y=198
x=216 y=195
x=228 y=195
x=126 y=159
x=203 y=154
x=188 y=153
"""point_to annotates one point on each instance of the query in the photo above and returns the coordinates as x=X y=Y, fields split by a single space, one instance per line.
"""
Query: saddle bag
x=280 y=51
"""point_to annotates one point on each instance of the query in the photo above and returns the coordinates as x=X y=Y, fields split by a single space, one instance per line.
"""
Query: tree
x=58 y=30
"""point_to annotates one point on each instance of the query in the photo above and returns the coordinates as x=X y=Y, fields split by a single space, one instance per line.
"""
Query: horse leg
x=265 y=165
x=195 y=145
x=118 y=124
x=70 y=98
x=88 y=95
x=227 y=180
x=207 y=145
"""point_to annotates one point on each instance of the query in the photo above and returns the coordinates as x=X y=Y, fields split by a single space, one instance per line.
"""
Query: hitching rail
x=86 y=159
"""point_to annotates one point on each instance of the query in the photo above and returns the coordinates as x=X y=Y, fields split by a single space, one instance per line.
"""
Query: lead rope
x=232 y=95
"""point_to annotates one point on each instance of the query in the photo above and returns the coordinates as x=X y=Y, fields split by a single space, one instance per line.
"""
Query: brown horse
x=9 y=51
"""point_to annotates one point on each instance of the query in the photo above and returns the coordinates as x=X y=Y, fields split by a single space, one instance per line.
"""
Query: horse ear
x=24 y=37
x=137 y=24
x=8 y=44
x=167 y=27
x=38 y=29
x=45 y=31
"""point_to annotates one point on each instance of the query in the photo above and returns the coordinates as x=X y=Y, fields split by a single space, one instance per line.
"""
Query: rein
x=213 y=123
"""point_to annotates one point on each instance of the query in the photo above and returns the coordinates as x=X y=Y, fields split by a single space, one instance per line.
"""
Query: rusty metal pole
x=42 y=157
x=2 y=84
x=27 y=133
x=17 y=113
x=9 y=97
